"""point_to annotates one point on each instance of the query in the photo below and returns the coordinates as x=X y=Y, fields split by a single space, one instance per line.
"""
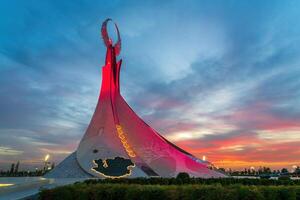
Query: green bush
x=179 y=181
x=284 y=178
x=86 y=191
x=183 y=176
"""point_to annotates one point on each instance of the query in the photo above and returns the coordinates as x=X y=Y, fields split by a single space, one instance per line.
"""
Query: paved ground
x=24 y=187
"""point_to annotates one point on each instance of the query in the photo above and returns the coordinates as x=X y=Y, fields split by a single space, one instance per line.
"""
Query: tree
x=248 y=171
x=222 y=169
x=183 y=176
x=284 y=170
x=297 y=170
x=260 y=170
x=266 y=170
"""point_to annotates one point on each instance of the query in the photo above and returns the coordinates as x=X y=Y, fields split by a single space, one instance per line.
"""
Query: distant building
x=17 y=167
x=12 y=168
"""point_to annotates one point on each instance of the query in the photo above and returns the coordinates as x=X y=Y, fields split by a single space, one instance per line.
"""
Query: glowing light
x=122 y=137
x=252 y=168
x=294 y=167
x=204 y=158
x=47 y=157
x=105 y=165
x=6 y=184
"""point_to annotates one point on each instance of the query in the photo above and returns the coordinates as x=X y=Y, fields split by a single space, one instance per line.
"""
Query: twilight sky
x=217 y=78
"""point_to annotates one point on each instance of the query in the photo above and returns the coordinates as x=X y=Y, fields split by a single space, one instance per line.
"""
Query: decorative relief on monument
x=113 y=168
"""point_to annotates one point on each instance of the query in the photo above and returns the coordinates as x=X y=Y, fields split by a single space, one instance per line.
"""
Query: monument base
x=68 y=168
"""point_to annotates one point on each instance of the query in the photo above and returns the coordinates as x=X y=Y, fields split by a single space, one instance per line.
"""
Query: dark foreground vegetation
x=179 y=188
x=195 y=181
x=172 y=192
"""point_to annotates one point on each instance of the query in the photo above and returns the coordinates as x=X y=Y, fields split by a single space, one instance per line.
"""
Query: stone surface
x=68 y=168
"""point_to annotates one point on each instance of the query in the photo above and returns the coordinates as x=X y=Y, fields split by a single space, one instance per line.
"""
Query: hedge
x=186 y=180
x=85 y=191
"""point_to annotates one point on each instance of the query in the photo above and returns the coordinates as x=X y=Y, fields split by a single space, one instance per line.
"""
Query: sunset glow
x=218 y=81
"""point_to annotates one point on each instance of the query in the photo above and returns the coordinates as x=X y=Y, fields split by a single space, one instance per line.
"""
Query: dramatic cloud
x=219 y=79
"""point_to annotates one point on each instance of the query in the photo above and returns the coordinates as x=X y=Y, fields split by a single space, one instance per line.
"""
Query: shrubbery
x=183 y=179
x=86 y=191
x=183 y=176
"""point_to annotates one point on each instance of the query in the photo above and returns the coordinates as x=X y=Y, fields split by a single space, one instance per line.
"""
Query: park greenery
x=179 y=188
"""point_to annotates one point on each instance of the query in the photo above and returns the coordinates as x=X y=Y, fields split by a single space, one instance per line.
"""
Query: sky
x=217 y=78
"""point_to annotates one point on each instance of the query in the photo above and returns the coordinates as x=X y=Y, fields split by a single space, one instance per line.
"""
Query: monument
x=118 y=143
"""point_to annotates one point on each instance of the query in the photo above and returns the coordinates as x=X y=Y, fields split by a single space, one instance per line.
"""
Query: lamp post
x=46 y=162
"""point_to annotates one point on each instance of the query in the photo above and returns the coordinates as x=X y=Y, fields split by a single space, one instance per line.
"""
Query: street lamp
x=47 y=157
x=46 y=162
